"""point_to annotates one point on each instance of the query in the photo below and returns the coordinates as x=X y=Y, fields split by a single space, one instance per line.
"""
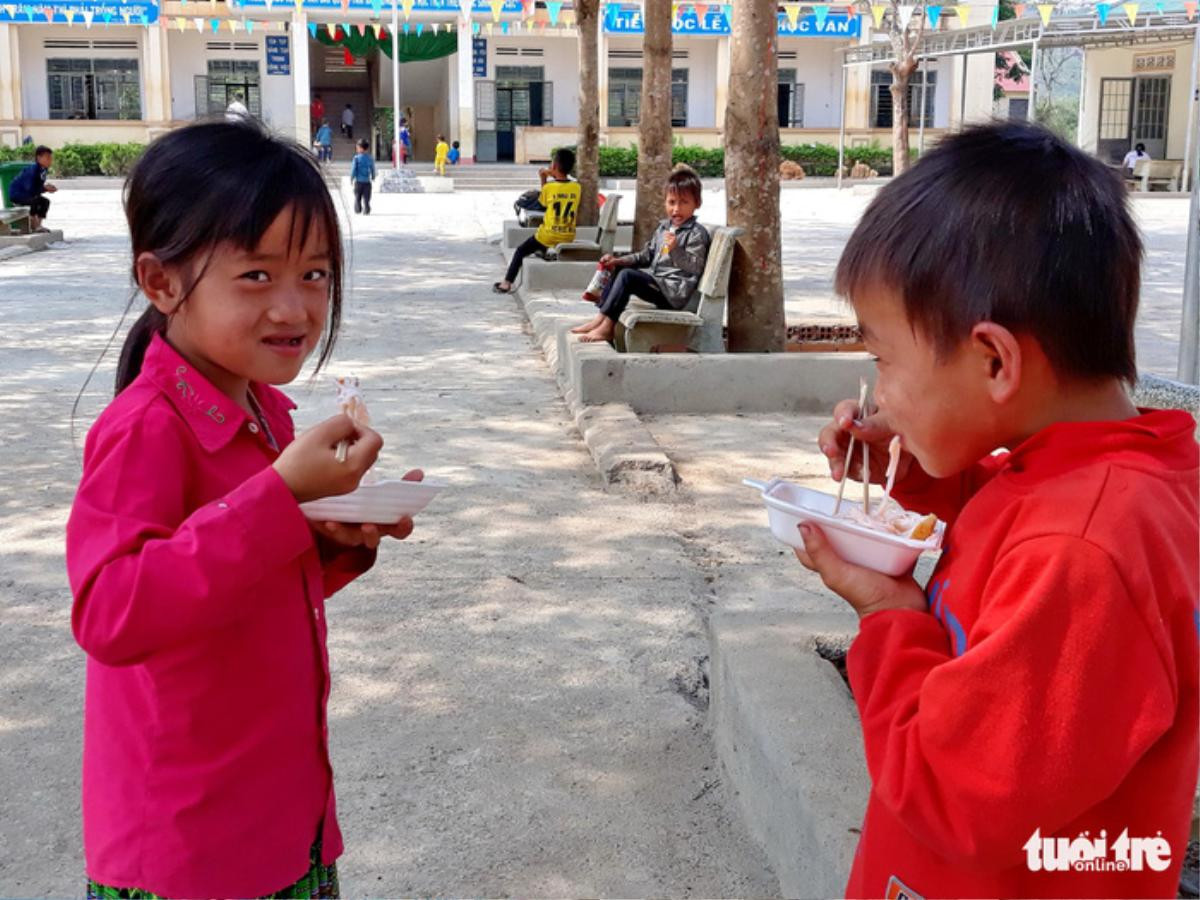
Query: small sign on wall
x=1162 y=61
x=479 y=57
x=279 y=58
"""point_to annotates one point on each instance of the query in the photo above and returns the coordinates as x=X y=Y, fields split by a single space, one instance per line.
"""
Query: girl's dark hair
x=1008 y=223
x=221 y=182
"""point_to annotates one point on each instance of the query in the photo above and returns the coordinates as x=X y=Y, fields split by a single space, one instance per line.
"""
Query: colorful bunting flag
x=407 y=27
x=932 y=15
x=407 y=6
x=964 y=13
x=215 y=24
x=1190 y=6
x=1131 y=10
x=793 y=13
x=497 y=6
x=199 y=23
x=312 y=29
x=490 y=28
x=554 y=7
x=1019 y=9
x=377 y=28
x=1102 y=12
x=1044 y=10
x=995 y=15
x=905 y=13
x=877 y=11
x=347 y=56
x=701 y=12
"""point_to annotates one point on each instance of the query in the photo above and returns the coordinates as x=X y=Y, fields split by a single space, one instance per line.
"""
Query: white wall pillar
x=722 y=94
x=156 y=78
x=462 y=91
x=300 y=79
x=10 y=76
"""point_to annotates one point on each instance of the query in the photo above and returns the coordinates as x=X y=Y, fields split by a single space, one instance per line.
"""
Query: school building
x=501 y=76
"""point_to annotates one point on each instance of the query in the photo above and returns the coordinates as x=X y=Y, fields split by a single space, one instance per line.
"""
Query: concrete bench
x=570 y=266
x=516 y=233
x=14 y=220
x=644 y=326
x=1164 y=172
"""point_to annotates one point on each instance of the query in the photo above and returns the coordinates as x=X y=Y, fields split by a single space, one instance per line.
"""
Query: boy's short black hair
x=1008 y=223
x=454 y=144
x=564 y=160
x=684 y=180
x=42 y=148
x=363 y=144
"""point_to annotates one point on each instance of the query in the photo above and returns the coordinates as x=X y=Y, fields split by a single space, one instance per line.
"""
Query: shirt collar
x=213 y=417
x=1164 y=438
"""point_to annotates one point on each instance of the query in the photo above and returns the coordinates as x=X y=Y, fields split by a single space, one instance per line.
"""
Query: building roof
x=1009 y=85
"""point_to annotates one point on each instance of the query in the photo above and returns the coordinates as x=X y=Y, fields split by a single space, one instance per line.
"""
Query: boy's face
x=939 y=407
x=680 y=205
x=45 y=159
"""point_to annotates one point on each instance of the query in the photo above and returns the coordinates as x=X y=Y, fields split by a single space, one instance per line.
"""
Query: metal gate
x=213 y=96
x=502 y=107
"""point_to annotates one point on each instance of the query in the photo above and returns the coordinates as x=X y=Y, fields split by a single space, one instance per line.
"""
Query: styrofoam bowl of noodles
x=380 y=503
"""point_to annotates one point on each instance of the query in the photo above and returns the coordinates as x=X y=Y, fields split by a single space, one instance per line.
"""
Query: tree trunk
x=899 y=89
x=756 y=320
x=587 y=150
x=654 y=122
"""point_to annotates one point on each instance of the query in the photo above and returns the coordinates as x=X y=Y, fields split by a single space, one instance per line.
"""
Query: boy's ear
x=999 y=354
x=161 y=285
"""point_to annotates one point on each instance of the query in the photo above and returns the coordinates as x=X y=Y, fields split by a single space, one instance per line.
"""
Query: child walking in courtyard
x=29 y=188
x=1036 y=704
x=667 y=270
x=199 y=586
x=560 y=198
x=324 y=141
x=362 y=174
x=440 y=153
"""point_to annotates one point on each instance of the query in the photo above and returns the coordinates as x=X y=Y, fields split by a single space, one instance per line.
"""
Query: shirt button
x=316 y=612
x=223 y=505
x=253 y=428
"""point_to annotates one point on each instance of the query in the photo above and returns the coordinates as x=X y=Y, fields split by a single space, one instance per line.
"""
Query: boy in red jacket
x=1030 y=717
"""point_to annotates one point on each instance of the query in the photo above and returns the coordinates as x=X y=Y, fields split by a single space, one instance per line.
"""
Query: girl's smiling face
x=254 y=315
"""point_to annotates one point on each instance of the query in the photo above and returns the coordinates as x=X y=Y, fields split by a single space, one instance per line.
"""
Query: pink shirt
x=200 y=600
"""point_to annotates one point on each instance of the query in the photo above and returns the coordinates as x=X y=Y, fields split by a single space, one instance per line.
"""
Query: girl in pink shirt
x=199 y=585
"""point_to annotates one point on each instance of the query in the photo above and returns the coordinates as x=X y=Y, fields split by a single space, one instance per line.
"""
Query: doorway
x=1133 y=111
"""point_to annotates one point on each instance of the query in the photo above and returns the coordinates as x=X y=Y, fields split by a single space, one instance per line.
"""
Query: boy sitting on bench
x=667 y=270
x=28 y=187
x=560 y=197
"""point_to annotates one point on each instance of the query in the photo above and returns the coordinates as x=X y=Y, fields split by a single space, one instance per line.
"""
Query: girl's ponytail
x=149 y=323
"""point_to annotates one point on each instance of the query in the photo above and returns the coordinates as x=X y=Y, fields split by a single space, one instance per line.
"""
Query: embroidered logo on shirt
x=898 y=890
x=189 y=393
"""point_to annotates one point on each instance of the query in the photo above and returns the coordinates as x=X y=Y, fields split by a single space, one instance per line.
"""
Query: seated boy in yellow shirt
x=561 y=197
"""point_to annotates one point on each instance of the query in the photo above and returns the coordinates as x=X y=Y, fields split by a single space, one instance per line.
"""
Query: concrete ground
x=518 y=701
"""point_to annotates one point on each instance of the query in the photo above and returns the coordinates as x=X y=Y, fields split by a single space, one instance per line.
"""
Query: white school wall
x=189 y=53
x=559 y=62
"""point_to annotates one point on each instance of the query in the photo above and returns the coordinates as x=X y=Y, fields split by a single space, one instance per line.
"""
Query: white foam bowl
x=790 y=504
x=381 y=503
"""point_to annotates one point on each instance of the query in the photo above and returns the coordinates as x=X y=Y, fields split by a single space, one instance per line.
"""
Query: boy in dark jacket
x=667 y=270
x=28 y=188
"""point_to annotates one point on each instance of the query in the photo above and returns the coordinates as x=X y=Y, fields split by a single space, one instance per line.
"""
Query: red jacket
x=1052 y=686
x=200 y=600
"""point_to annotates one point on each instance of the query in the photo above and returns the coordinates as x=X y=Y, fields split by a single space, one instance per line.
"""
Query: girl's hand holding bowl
x=368 y=534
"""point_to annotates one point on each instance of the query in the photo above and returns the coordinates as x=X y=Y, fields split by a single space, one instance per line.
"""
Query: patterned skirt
x=320 y=881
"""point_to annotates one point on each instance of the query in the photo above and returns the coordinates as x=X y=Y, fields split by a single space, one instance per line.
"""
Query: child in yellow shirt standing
x=440 y=152
x=560 y=196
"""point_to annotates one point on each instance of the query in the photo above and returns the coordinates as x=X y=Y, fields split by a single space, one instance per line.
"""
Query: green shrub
x=23 y=153
x=68 y=162
x=817 y=159
x=89 y=155
x=118 y=159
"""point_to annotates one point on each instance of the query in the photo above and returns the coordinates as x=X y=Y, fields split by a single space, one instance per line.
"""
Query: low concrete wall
x=788 y=737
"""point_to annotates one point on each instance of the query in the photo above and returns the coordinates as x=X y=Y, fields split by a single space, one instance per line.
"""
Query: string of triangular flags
x=552 y=14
